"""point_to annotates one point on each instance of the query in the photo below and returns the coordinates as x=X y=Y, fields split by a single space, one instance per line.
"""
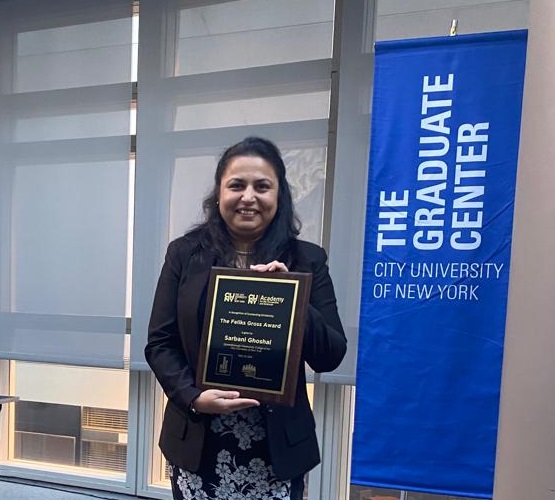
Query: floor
x=22 y=491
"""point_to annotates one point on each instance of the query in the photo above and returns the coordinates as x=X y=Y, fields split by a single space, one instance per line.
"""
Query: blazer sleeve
x=324 y=344
x=164 y=351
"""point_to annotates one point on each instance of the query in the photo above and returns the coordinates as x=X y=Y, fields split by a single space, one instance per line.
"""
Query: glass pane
x=306 y=172
x=363 y=493
x=69 y=238
x=250 y=33
x=411 y=495
x=366 y=493
x=73 y=56
x=70 y=416
x=77 y=125
x=256 y=111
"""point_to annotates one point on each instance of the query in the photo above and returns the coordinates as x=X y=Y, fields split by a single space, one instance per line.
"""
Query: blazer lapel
x=197 y=281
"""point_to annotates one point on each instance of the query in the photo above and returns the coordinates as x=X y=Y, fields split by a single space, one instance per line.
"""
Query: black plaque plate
x=253 y=333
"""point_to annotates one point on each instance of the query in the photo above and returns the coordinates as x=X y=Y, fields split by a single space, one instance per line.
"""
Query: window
x=70 y=416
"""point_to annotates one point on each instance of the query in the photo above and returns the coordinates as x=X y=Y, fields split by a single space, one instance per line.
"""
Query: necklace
x=244 y=252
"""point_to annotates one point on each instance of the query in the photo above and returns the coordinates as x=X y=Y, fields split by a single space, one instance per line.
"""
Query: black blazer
x=173 y=347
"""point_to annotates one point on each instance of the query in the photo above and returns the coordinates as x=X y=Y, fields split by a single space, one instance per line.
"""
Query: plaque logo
x=223 y=366
x=249 y=371
x=235 y=297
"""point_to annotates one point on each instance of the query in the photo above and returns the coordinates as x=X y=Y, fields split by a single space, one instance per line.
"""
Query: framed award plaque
x=253 y=333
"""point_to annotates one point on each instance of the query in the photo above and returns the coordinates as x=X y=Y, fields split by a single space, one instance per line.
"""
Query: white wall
x=525 y=467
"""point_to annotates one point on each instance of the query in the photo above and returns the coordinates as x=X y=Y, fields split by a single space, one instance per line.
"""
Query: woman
x=218 y=444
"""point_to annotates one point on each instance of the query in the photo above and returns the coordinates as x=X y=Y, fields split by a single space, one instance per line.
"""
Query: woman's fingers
x=217 y=401
x=240 y=404
x=274 y=266
x=216 y=393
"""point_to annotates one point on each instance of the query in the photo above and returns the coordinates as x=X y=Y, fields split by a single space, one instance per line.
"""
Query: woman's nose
x=248 y=194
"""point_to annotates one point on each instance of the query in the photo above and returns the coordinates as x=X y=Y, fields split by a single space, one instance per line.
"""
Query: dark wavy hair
x=279 y=237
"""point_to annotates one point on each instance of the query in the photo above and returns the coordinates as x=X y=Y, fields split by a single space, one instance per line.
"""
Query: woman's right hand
x=214 y=401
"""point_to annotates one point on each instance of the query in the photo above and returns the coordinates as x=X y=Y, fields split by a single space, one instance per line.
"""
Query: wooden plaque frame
x=253 y=333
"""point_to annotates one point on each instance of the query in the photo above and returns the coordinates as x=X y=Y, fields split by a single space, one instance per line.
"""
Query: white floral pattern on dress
x=255 y=482
x=246 y=426
x=252 y=481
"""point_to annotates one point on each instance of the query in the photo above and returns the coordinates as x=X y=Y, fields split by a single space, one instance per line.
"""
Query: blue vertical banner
x=443 y=156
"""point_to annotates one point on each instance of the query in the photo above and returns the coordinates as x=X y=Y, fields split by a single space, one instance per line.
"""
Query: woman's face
x=248 y=197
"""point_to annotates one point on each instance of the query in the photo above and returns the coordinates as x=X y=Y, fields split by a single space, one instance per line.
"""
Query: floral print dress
x=235 y=464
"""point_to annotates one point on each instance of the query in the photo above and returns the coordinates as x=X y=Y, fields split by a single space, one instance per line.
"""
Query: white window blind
x=65 y=100
x=231 y=69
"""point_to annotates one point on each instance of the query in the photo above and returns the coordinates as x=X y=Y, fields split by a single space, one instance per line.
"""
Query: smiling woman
x=248 y=199
x=218 y=444
x=249 y=212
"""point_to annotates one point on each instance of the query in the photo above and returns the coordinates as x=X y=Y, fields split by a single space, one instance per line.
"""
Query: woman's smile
x=246 y=211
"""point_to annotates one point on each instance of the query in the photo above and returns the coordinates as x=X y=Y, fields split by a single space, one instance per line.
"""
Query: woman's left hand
x=272 y=267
